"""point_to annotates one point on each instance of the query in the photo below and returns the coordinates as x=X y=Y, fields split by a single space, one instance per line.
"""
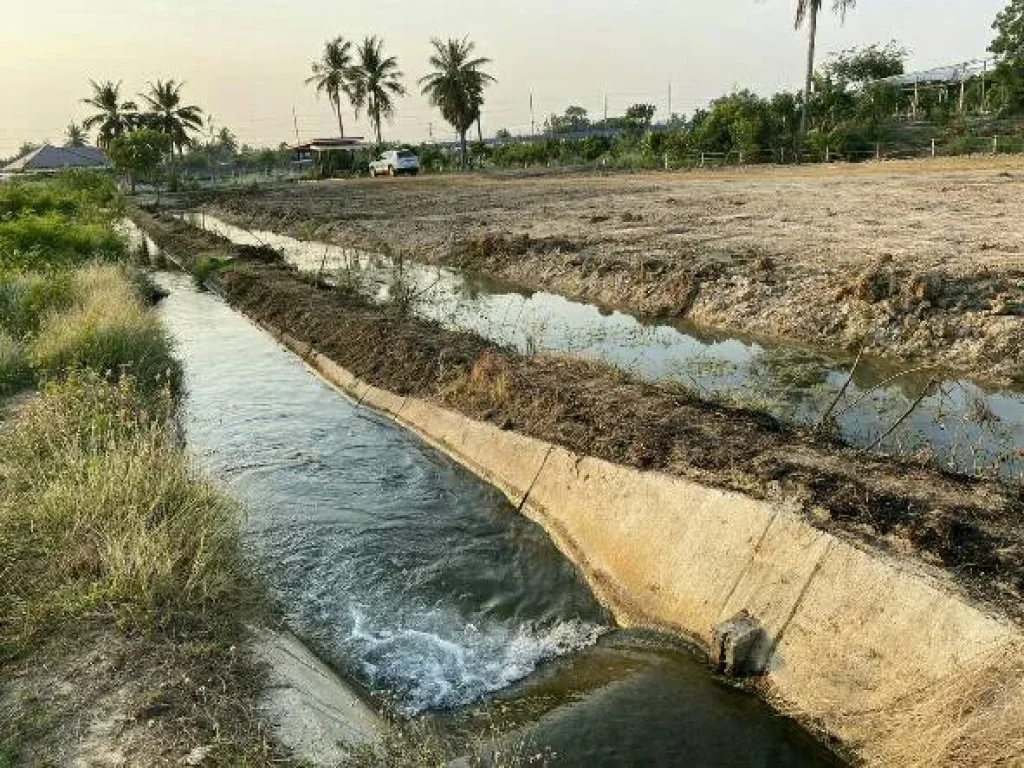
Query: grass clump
x=71 y=194
x=108 y=330
x=14 y=369
x=35 y=242
x=206 y=264
x=102 y=516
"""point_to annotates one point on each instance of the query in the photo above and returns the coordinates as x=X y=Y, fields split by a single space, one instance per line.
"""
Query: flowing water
x=425 y=587
x=959 y=425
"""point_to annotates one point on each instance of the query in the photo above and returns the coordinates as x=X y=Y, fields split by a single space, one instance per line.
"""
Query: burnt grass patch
x=969 y=528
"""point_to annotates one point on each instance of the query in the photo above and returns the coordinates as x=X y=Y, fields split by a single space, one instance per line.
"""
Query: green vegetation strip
x=108 y=535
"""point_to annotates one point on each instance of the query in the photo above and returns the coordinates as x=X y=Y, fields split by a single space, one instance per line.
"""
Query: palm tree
x=168 y=115
x=807 y=10
x=332 y=75
x=456 y=85
x=114 y=117
x=75 y=136
x=375 y=82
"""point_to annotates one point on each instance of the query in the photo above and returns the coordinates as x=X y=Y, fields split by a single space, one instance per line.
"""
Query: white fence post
x=933 y=147
x=995 y=145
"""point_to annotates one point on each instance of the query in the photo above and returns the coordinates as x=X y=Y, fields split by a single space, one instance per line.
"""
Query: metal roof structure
x=51 y=158
x=954 y=73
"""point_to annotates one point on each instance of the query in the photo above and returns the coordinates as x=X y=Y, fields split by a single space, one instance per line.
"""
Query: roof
x=319 y=145
x=51 y=158
x=949 y=74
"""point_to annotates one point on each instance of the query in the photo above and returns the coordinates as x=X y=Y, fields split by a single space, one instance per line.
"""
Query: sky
x=244 y=61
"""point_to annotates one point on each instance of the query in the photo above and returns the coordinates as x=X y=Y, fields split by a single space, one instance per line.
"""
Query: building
x=307 y=154
x=49 y=158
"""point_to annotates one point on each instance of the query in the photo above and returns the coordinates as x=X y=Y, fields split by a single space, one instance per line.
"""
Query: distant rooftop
x=953 y=73
x=51 y=158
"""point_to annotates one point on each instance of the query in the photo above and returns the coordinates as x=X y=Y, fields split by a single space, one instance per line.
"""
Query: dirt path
x=925 y=259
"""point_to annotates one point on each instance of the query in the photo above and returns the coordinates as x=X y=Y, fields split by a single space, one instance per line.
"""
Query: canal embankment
x=682 y=513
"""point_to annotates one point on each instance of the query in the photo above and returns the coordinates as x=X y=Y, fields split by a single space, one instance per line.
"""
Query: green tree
x=169 y=116
x=858 y=66
x=75 y=136
x=1008 y=47
x=114 y=117
x=333 y=76
x=456 y=86
x=807 y=11
x=573 y=121
x=138 y=154
x=375 y=82
x=642 y=114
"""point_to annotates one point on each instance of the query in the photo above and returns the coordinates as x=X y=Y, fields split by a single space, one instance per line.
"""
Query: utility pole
x=295 y=122
x=533 y=128
x=606 y=109
x=669 y=101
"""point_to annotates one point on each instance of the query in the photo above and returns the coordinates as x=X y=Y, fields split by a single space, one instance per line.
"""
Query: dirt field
x=925 y=259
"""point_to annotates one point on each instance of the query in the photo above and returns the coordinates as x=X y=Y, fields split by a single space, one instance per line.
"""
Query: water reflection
x=958 y=425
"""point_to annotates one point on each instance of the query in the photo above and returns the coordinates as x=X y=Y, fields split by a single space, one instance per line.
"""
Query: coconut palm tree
x=456 y=86
x=807 y=10
x=114 y=117
x=332 y=75
x=167 y=114
x=375 y=82
x=75 y=136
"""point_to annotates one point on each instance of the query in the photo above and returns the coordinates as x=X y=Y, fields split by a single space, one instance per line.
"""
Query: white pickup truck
x=395 y=162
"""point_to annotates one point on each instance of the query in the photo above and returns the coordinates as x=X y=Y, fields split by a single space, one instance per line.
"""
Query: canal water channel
x=426 y=589
x=958 y=426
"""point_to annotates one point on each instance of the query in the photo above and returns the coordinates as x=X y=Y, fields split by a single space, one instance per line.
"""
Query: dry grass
x=107 y=330
x=975 y=717
x=101 y=515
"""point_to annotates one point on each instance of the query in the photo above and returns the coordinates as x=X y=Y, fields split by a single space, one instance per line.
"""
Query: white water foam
x=438 y=669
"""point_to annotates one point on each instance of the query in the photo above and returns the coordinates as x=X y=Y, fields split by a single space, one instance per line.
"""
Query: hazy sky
x=244 y=61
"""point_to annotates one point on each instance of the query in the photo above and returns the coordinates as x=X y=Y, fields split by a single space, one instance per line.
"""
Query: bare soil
x=970 y=530
x=924 y=259
x=97 y=697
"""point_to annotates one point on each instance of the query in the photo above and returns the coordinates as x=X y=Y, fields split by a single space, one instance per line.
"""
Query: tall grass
x=102 y=516
x=107 y=330
x=73 y=194
x=52 y=240
x=14 y=370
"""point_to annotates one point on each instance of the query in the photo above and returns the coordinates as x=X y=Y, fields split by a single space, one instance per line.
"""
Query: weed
x=207 y=264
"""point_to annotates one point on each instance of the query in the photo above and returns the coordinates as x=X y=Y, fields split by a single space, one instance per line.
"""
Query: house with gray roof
x=50 y=158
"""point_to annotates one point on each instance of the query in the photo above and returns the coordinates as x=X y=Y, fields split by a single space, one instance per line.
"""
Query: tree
x=114 y=117
x=375 y=82
x=227 y=142
x=138 y=154
x=333 y=75
x=75 y=136
x=456 y=86
x=574 y=120
x=858 y=66
x=1008 y=47
x=807 y=10
x=167 y=114
x=641 y=113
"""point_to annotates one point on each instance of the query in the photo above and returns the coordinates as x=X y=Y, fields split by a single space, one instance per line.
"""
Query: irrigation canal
x=423 y=586
x=961 y=426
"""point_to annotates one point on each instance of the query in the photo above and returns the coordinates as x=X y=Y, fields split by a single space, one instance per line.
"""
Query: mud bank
x=921 y=264
x=686 y=513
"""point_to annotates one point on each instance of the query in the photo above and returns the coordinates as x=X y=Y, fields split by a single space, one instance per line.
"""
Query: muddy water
x=959 y=425
x=424 y=586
